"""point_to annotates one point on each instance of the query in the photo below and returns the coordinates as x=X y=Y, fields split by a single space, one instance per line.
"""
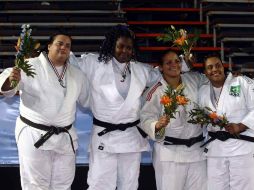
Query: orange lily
x=165 y=100
x=181 y=100
x=213 y=115
x=180 y=41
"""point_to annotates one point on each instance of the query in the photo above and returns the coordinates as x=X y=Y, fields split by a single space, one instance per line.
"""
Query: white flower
x=183 y=33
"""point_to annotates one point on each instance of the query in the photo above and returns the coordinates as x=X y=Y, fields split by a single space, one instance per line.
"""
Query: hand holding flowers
x=205 y=116
x=25 y=47
x=172 y=99
x=162 y=123
x=180 y=39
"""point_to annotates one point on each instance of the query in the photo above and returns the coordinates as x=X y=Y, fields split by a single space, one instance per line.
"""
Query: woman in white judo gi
x=177 y=156
x=230 y=162
x=47 y=106
x=117 y=82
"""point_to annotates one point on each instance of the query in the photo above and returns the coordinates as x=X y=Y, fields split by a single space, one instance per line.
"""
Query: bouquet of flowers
x=206 y=116
x=172 y=99
x=25 y=47
x=180 y=39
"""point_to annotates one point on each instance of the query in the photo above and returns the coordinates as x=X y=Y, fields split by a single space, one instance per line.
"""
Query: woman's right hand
x=162 y=123
x=15 y=75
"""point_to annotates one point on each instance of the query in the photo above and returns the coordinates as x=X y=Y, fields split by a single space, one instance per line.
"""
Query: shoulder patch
x=153 y=89
x=248 y=80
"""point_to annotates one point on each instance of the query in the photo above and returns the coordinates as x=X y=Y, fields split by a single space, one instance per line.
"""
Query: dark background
x=10 y=179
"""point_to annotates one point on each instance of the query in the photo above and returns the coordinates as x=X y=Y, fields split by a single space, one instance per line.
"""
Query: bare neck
x=218 y=84
x=56 y=62
x=174 y=82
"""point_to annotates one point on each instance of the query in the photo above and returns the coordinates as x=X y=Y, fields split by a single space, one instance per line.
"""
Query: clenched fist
x=14 y=76
x=163 y=122
x=235 y=128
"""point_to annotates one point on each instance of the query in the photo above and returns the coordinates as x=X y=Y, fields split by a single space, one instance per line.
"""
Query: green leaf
x=27 y=47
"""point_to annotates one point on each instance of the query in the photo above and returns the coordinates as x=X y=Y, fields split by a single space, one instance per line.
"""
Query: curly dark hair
x=107 y=48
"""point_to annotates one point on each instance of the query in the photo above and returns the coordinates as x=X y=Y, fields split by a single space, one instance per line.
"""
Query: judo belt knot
x=220 y=135
x=113 y=127
x=187 y=142
x=51 y=130
x=57 y=130
x=223 y=136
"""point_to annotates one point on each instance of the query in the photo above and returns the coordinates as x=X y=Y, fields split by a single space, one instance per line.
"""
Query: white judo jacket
x=178 y=127
x=44 y=101
x=238 y=106
x=109 y=106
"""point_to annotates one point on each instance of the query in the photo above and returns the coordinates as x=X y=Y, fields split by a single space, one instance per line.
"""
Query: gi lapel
x=72 y=88
x=223 y=95
x=137 y=85
x=212 y=96
x=49 y=73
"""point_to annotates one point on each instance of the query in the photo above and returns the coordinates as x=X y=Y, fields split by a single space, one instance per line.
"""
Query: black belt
x=188 y=142
x=223 y=136
x=50 y=131
x=113 y=127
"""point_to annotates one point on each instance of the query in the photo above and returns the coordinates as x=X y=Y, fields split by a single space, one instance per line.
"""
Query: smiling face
x=214 y=71
x=123 y=49
x=171 y=65
x=59 y=49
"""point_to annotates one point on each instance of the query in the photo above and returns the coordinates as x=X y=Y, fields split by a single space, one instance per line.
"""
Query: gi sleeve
x=83 y=98
x=185 y=67
x=200 y=78
x=248 y=90
x=86 y=63
x=154 y=75
x=3 y=77
x=197 y=78
x=150 y=114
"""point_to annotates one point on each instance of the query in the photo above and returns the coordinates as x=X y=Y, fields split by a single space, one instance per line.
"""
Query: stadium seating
x=231 y=22
x=219 y=21
x=85 y=20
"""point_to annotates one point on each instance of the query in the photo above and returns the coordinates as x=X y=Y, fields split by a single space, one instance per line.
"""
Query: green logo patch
x=235 y=90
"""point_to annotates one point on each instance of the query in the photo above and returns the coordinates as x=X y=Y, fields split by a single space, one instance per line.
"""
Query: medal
x=61 y=83
x=60 y=77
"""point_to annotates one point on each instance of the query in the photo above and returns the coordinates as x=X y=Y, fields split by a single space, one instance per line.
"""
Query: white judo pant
x=110 y=170
x=43 y=169
x=180 y=176
x=231 y=173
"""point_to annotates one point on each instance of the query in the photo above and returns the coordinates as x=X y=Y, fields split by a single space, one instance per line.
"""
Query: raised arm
x=83 y=99
x=154 y=75
x=87 y=63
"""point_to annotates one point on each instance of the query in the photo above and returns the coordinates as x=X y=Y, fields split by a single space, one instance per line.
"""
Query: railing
x=220 y=1
x=217 y=26
x=211 y=13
